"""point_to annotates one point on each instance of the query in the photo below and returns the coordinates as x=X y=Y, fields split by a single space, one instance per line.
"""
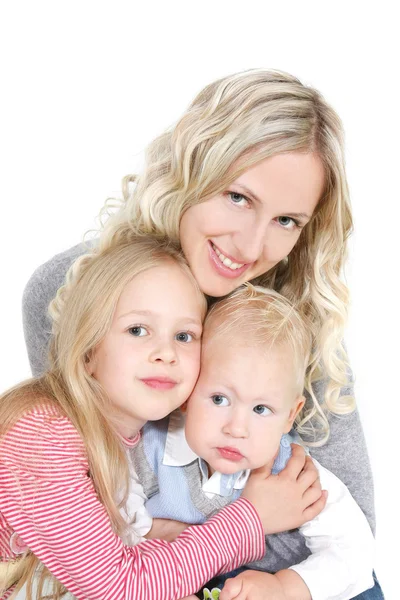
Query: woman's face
x=247 y=229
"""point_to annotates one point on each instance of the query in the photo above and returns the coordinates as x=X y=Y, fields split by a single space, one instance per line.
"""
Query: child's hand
x=289 y=499
x=253 y=585
x=166 y=529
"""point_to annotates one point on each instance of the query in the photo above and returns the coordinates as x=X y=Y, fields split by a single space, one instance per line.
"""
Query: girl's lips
x=230 y=454
x=221 y=268
x=159 y=383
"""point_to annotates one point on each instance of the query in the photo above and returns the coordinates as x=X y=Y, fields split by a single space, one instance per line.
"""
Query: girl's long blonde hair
x=254 y=115
x=82 y=314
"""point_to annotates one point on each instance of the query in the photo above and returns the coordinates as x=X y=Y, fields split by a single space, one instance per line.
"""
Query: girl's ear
x=296 y=408
x=90 y=362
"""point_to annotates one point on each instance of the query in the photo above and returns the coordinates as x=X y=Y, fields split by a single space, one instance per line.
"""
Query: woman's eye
x=220 y=400
x=184 y=336
x=138 y=331
x=287 y=222
x=262 y=410
x=238 y=199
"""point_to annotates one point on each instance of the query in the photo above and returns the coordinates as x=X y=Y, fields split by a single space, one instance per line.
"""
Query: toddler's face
x=243 y=402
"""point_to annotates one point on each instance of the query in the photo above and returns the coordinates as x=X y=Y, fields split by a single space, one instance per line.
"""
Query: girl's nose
x=164 y=351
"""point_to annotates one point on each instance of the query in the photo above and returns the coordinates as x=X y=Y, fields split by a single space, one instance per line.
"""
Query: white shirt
x=134 y=512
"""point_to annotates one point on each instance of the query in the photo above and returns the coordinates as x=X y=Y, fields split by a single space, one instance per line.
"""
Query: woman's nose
x=252 y=239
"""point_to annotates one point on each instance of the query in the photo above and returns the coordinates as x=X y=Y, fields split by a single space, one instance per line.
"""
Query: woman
x=251 y=182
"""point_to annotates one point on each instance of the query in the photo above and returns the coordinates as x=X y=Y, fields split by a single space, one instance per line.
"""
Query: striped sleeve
x=48 y=499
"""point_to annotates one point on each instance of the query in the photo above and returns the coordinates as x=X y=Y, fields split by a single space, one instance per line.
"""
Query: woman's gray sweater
x=345 y=454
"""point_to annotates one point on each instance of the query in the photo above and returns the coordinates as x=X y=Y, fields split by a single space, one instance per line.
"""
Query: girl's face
x=149 y=360
x=251 y=226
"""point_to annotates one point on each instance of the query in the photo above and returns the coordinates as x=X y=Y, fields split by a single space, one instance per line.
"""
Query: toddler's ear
x=297 y=406
x=183 y=407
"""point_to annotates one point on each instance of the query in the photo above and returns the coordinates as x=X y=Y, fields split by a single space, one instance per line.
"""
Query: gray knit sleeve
x=346 y=455
x=39 y=291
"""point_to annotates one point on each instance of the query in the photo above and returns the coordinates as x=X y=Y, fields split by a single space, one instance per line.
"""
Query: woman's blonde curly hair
x=254 y=115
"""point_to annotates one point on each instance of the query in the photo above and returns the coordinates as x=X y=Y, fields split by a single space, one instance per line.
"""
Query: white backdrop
x=87 y=84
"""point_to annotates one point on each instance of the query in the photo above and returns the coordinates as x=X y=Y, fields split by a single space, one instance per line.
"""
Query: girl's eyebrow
x=254 y=196
x=142 y=313
x=147 y=313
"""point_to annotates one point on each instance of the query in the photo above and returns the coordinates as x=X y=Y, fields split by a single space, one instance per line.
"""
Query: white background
x=86 y=85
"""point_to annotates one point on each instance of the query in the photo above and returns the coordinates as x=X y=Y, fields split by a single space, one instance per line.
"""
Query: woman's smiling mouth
x=224 y=265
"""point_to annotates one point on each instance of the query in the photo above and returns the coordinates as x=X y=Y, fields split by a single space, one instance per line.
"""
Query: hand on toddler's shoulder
x=290 y=498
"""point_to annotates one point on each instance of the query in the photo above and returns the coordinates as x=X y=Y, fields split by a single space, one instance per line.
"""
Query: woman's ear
x=296 y=408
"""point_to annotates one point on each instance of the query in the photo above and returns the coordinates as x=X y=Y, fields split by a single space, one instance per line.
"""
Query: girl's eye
x=138 y=331
x=262 y=410
x=288 y=222
x=184 y=336
x=238 y=199
x=220 y=400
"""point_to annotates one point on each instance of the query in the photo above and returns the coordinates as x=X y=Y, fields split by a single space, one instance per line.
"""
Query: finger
x=311 y=496
x=309 y=474
x=313 y=511
x=232 y=589
x=295 y=463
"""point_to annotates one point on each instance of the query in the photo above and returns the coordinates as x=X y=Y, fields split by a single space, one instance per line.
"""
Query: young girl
x=126 y=349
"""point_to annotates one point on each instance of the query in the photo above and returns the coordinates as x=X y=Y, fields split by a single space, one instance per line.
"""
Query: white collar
x=177 y=451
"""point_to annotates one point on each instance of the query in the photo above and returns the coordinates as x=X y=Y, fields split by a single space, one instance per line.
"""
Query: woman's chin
x=216 y=285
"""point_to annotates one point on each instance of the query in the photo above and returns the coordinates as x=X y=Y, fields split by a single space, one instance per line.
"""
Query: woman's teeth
x=226 y=261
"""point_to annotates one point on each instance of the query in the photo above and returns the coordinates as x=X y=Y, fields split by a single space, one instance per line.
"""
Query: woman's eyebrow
x=254 y=196
x=298 y=215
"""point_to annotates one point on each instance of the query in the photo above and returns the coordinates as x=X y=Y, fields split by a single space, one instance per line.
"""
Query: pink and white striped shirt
x=48 y=503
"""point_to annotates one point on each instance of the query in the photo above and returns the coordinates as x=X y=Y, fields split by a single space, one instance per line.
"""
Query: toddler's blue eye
x=138 y=331
x=220 y=400
x=184 y=336
x=262 y=410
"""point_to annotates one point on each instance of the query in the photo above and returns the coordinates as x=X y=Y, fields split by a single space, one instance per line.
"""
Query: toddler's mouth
x=230 y=453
